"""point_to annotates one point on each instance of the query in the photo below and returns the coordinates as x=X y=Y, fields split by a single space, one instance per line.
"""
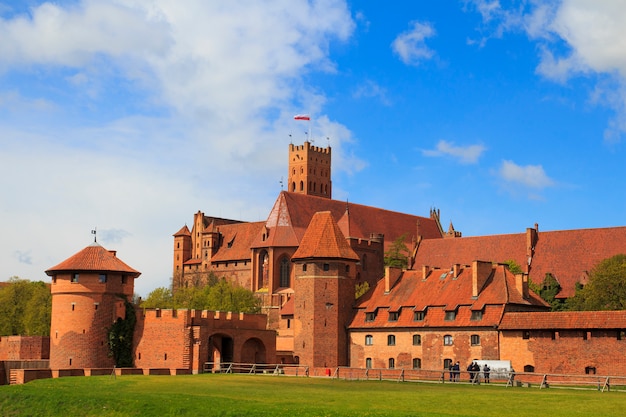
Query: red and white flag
x=302 y=117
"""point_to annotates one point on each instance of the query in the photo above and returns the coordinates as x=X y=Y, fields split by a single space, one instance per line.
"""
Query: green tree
x=398 y=254
x=606 y=289
x=159 y=298
x=25 y=308
x=514 y=267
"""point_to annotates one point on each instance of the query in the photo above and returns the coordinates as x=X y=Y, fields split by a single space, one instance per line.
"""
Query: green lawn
x=247 y=395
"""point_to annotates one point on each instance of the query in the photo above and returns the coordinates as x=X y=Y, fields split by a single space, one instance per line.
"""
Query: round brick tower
x=88 y=291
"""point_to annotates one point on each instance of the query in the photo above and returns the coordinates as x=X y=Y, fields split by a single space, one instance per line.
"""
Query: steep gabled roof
x=441 y=291
x=323 y=239
x=564 y=320
x=569 y=255
x=94 y=258
x=236 y=241
x=292 y=213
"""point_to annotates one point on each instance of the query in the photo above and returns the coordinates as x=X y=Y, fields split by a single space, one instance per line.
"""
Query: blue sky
x=129 y=117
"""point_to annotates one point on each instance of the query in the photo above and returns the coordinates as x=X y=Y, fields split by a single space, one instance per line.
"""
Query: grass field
x=248 y=395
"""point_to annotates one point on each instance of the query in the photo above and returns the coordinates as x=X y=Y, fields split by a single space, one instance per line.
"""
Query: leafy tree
x=514 y=267
x=25 y=308
x=549 y=289
x=398 y=254
x=121 y=337
x=219 y=294
x=606 y=289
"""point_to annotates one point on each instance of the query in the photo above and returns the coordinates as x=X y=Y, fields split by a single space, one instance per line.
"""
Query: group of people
x=473 y=369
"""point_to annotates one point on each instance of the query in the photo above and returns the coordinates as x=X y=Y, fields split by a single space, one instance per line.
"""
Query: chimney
x=391 y=277
x=481 y=271
x=425 y=271
x=114 y=253
x=521 y=284
x=456 y=270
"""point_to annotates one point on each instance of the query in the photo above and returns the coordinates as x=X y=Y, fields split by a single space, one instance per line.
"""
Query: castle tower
x=324 y=287
x=182 y=252
x=86 y=299
x=309 y=170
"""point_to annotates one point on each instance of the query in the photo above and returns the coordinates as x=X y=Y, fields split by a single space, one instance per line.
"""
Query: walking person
x=486 y=371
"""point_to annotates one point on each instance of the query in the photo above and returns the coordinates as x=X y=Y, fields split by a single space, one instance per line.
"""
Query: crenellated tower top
x=309 y=170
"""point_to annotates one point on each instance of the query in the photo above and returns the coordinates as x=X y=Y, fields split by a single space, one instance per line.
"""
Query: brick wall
x=24 y=347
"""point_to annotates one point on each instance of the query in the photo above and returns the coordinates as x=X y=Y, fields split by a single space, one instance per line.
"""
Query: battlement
x=211 y=319
x=307 y=146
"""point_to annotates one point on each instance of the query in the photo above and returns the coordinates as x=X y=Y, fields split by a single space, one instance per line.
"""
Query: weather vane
x=93 y=232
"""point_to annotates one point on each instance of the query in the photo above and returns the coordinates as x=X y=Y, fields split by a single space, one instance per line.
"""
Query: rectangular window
x=102 y=278
x=394 y=315
x=475 y=340
x=447 y=340
x=419 y=315
x=391 y=340
x=370 y=316
x=368 y=363
x=417 y=340
x=477 y=315
x=417 y=363
x=124 y=279
x=326 y=267
x=526 y=334
x=450 y=315
x=74 y=277
x=392 y=363
x=369 y=340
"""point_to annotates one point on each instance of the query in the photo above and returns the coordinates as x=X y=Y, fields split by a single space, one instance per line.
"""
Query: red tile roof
x=237 y=240
x=292 y=213
x=441 y=292
x=569 y=254
x=323 y=239
x=184 y=231
x=93 y=258
x=564 y=320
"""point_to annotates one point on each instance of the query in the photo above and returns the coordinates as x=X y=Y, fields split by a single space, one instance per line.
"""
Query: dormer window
x=419 y=315
x=450 y=315
x=477 y=315
x=370 y=316
x=394 y=315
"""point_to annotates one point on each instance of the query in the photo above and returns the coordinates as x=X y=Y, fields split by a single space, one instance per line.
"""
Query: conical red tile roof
x=93 y=258
x=323 y=239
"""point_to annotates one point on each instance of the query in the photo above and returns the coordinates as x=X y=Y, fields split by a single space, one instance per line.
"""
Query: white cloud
x=129 y=116
x=575 y=38
x=410 y=45
x=371 y=89
x=531 y=176
x=464 y=154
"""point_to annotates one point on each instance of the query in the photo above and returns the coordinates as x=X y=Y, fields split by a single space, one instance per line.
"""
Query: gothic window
x=285 y=272
x=301 y=186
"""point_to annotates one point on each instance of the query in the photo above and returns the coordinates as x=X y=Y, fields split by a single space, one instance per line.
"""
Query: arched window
x=301 y=186
x=392 y=363
x=368 y=363
x=529 y=368
x=293 y=186
x=285 y=272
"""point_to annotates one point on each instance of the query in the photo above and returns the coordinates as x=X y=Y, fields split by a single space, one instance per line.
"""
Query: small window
x=158 y=312
x=394 y=315
x=368 y=363
x=417 y=340
x=447 y=340
x=124 y=279
x=447 y=363
x=326 y=267
x=419 y=315
x=74 y=277
x=585 y=335
x=590 y=370
x=526 y=334
x=73 y=306
x=554 y=335
x=96 y=305
x=369 y=340
x=529 y=368
x=303 y=267
x=621 y=335
x=477 y=315
x=475 y=340
x=347 y=268
x=102 y=278
x=391 y=340
x=417 y=363
x=370 y=316
x=450 y=315
x=392 y=363
x=54 y=279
